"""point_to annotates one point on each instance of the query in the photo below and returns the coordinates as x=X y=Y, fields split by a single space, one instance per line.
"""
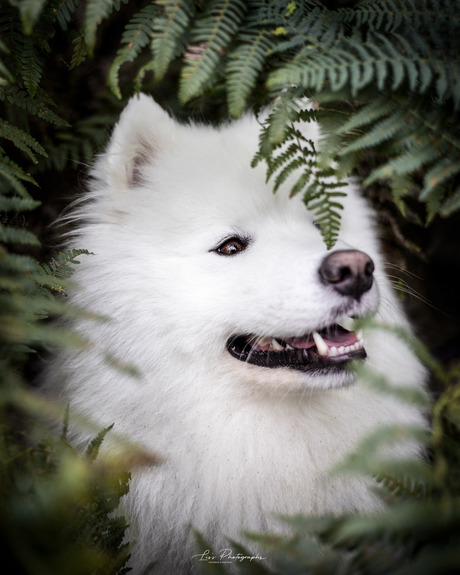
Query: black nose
x=349 y=272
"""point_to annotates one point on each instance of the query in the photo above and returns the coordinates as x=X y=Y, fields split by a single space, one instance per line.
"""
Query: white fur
x=239 y=442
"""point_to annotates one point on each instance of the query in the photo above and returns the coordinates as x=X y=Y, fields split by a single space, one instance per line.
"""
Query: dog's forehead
x=210 y=172
x=237 y=196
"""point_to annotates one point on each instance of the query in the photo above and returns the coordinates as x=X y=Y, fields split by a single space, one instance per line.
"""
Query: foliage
x=385 y=75
x=57 y=508
x=296 y=153
x=395 y=63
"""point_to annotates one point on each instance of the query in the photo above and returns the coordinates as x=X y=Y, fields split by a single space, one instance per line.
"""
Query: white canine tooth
x=289 y=347
x=321 y=345
x=346 y=322
x=275 y=346
x=259 y=342
x=359 y=334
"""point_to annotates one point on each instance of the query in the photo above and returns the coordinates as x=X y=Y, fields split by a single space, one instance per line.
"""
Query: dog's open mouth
x=328 y=348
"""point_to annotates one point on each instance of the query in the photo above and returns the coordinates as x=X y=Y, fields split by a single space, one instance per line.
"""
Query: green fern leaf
x=31 y=66
x=288 y=163
x=282 y=117
x=382 y=131
x=438 y=174
x=15 y=204
x=209 y=40
x=403 y=486
x=62 y=267
x=65 y=11
x=140 y=76
x=15 y=96
x=405 y=163
x=96 y=11
x=21 y=140
x=13 y=176
x=170 y=33
x=30 y=11
x=94 y=446
x=368 y=114
x=136 y=36
x=290 y=155
x=5 y=75
x=451 y=205
x=244 y=64
x=9 y=235
x=80 y=51
x=368 y=456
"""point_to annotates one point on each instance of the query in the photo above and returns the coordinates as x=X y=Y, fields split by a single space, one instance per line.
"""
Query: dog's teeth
x=333 y=351
x=359 y=334
x=346 y=322
x=262 y=341
x=321 y=345
x=275 y=346
x=289 y=347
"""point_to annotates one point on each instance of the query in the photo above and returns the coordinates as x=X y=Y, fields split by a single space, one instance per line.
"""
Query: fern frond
x=15 y=96
x=406 y=163
x=387 y=15
x=15 y=204
x=94 y=446
x=87 y=138
x=95 y=12
x=417 y=139
x=65 y=11
x=369 y=113
x=30 y=11
x=246 y=62
x=170 y=33
x=287 y=163
x=209 y=40
x=292 y=160
x=22 y=140
x=80 y=51
x=10 y=235
x=31 y=66
x=307 y=26
x=369 y=456
x=451 y=205
x=137 y=34
x=62 y=267
x=13 y=176
x=402 y=486
x=5 y=75
x=387 y=62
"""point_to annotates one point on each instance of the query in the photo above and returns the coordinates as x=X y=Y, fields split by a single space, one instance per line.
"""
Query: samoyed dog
x=240 y=322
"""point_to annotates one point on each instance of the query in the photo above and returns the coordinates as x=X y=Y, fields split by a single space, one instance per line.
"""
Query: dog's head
x=224 y=272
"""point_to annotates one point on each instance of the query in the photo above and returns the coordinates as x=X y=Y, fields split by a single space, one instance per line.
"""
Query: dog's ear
x=144 y=128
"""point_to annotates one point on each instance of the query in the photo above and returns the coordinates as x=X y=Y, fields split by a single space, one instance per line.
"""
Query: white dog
x=224 y=296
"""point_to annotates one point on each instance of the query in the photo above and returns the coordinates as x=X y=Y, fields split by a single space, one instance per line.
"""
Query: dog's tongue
x=336 y=337
x=301 y=342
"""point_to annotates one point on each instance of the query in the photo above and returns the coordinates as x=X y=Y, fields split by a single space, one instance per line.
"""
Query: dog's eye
x=232 y=246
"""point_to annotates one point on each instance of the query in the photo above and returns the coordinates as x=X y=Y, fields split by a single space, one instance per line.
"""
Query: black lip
x=306 y=360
